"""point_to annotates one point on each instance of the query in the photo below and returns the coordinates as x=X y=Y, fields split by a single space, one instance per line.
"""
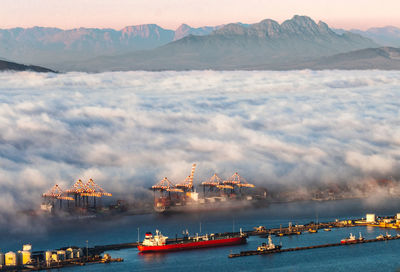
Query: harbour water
x=380 y=256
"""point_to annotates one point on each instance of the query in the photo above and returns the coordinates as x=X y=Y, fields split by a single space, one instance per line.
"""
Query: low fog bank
x=298 y=130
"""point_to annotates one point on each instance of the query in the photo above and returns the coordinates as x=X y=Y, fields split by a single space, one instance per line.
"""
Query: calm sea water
x=381 y=256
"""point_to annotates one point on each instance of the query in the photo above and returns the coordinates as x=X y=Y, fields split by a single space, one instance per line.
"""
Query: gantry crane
x=187 y=184
x=93 y=190
x=77 y=189
x=165 y=188
x=56 y=193
x=213 y=183
x=237 y=181
x=165 y=185
x=82 y=191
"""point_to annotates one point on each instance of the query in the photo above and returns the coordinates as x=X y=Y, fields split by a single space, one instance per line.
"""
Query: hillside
x=12 y=66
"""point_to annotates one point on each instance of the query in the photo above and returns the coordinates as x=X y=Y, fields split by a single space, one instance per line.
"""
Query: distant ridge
x=185 y=30
x=12 y=66
x=388 y=35
x=296 y=43
x=44 y=45
x=383 y=58
x=266 y=44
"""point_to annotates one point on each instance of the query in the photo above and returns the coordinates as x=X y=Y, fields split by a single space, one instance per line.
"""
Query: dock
x=255 y=252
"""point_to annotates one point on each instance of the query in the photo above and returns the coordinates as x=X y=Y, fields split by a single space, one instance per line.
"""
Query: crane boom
x=192 y=174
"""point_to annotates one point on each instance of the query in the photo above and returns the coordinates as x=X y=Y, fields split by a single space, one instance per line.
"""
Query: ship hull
x=194 y=245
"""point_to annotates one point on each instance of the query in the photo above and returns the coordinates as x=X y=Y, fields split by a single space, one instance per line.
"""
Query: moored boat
x=351 y=239
x=161 y=243
x=269 y=247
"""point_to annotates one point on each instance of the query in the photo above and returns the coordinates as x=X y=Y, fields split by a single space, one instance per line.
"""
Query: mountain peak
x=183 y=27
x=231 y=29
x=185 y=30
x=300 y=25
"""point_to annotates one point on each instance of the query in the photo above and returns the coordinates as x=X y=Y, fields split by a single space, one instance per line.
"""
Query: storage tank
x=370 y=218
x=75 y=252
x=11 y=259
x=27 y=247
x=26 y=257
x=48 y=257
x=2 y=259
x=61 y=255
x=69 y=253
x=79 y=253
x=54 y=257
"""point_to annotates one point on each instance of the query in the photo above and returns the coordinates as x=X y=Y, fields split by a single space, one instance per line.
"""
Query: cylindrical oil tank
x=370 y=218
x=69 y=253
x=2 y=259
x=27 y=247
x=54 y=257
x=26 y=257
x=79 y=253
x=61 y=255
x=11 y=258
x=48 y=257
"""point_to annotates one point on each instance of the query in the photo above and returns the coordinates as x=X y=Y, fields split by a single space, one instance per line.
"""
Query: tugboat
x=350 y=240
x=160 y=243
x=270 y=247
x=310 y=230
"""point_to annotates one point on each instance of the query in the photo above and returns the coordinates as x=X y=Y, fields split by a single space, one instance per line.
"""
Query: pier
x=255 y=252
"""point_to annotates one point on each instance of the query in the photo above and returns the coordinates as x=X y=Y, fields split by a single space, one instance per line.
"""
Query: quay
x=27 y=260
x=255 y=252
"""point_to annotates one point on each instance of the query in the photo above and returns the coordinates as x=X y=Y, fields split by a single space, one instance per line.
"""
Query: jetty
x=256 y=252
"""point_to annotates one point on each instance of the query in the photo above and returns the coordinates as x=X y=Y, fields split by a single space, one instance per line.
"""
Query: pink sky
x=170 y=14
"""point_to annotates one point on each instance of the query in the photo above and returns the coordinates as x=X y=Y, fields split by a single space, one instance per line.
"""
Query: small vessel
x=380 y=237
x=361 y=238
x=312 y=230
x=327 y=229
x=388 y=235
x=351 y=239
x=268 y=247
x=161 y=243
x=260 y=229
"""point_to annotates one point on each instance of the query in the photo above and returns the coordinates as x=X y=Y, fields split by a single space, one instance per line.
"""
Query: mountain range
x=298 y=42
x=44 y=45
x=236 y=46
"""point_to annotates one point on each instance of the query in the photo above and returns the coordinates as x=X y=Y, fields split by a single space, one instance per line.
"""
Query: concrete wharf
x=255 y=252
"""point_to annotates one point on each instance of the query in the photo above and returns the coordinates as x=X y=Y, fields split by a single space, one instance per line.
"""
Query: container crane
x=77 y=189
x=187 y=184
x=214 y=182
x=94 y=190
x=237 y=181
x=56 y=193
x=165 y=187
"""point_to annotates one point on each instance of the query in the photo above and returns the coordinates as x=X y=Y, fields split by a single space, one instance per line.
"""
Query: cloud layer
x=127 y=130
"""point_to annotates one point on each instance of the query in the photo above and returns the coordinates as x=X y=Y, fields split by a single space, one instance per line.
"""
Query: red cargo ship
x=160 y=243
